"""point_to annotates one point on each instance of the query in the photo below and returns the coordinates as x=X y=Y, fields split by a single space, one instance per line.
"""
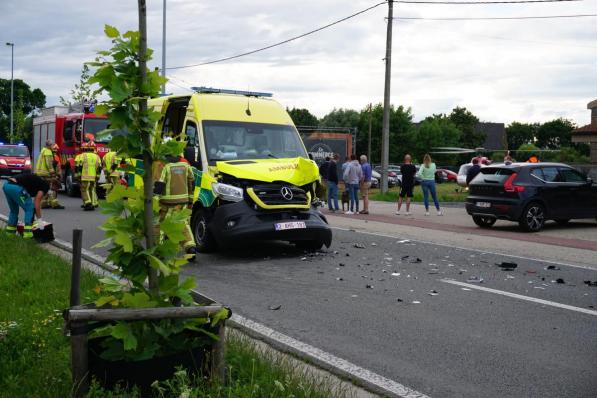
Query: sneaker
x=426 y=213
x=349 y=213
x=408 y=213
x=440 y=213
x=398 y=212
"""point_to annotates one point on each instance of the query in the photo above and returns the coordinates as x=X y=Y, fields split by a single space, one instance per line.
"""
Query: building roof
x=592 y=104
x=588 y=129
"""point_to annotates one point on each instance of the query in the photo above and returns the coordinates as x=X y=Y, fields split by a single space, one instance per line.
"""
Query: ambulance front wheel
x=204 y=240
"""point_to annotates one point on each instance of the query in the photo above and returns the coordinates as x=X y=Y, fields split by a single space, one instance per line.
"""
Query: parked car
x=394 y=176
x=374 y=182
x=14 y=159
x=530 y=194
x=444 y=175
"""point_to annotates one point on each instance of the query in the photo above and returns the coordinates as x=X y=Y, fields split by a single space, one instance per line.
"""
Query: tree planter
x=205 y=360
x=196 y=361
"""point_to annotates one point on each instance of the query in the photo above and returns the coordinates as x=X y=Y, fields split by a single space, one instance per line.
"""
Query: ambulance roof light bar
x=211 y=90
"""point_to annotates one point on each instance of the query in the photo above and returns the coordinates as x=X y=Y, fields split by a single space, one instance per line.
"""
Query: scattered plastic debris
x=416 y=302
x=347 y=254
x=539 y=287
x=369 y=286
x=304 y=259
x=506 y=266
x=358 y=246
x=433 y=293
x=354 y=295
x=395 y=273
x=466 y=288
x=339 y=279
x=433 y=271
x=403 y=241
x=373 y=244
x=404 y=257
x=388 y=258
x=552 y=267
x=399 y=300
x=341 y=264
x=475 y=279
x=560 y=280
x=416 y=260
x=589 y=283
x=510 y=276
x=275 y=307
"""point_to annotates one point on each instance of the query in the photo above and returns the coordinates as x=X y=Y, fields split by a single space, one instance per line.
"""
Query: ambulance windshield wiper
x=272 y=156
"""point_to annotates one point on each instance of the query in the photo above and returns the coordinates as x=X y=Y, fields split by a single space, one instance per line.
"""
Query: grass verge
x=35 y=355
x=446 y=192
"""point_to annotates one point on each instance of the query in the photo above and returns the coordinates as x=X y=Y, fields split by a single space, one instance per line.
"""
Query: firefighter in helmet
x=88 y=169
x=46 y=169
x=533 y=159
x=174 y=187
x=110 y=165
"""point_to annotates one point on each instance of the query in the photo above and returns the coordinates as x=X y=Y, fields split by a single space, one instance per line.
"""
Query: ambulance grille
x=279 y=194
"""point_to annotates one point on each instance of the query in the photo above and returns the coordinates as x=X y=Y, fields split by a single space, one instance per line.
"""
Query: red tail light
x=509 y=185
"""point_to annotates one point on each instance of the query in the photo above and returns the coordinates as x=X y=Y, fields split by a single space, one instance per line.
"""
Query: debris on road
x=339 y=279
x=510 y=276
x=395 y=273
x=552 y=267
x=416 y=260
x=475 y=279
x=506 y=266
x=416 y=302
x=304 y=259
x=433 y=293
x=341 y=265
x=373 y=244
x=358 y=246
x=369 y=286
x=275 y=307
x=404 y=257
x=403 y=241
x=560 y=280
x=399 y=300
x=589 y=283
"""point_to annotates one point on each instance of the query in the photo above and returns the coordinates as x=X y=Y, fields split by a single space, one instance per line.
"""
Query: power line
x=430 y=2
x=495 y=18
x=282 y=42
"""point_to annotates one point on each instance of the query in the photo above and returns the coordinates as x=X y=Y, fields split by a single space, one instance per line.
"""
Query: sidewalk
x=580 y=234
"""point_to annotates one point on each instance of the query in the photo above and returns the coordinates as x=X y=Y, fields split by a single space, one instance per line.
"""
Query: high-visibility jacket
x=44 y=162
x=178 y=179
x=90 y=165
x=110 y=159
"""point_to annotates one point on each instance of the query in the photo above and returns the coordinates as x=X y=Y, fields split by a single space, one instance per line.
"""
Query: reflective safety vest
x=110 y=160
x=44 y=162
x=178 y=179
x=90 y=165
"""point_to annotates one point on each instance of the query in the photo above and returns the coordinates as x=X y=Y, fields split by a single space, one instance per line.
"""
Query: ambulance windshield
x=226 y=140
x=94 y=126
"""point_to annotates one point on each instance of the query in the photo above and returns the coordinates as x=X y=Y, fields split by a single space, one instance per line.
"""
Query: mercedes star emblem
x=286 y=193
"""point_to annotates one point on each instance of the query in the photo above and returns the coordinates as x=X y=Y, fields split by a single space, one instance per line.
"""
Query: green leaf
x=220 y=316
x=158 y=264
x=102 y=243
x=123 y=331
x=111 y=284
x=137 y=300
x=105 y=300
x=101 y=109
x=111 y=31
x=123 y=239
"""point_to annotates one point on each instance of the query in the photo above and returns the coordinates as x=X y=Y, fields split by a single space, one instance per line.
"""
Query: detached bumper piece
x=239 y=223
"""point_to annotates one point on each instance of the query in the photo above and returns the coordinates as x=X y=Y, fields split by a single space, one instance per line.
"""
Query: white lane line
x=521 y=297
x=467 y=248
x=324 y=359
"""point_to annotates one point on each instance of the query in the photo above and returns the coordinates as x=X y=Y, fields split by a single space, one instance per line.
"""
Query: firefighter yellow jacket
x=178 y=179
x=90 y=165
x=44 y=165
x=110 y=160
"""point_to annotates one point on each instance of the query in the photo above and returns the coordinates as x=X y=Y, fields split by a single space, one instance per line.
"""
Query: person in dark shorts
x=408 y=171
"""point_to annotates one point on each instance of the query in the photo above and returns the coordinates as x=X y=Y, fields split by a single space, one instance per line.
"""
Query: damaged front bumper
x=239 y=222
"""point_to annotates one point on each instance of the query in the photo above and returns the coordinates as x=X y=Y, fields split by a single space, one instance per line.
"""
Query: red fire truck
x=68 y=129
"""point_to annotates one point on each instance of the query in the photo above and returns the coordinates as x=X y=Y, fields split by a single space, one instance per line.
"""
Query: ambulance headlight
x=227 y=192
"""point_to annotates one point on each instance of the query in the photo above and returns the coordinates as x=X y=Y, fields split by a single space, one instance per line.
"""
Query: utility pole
x=369 y=139
x=12 y=89
x=164 y=46
x=385 y=131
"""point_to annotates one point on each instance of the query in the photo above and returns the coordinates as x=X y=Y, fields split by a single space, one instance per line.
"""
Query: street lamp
x=12 y=66
x=164 y=46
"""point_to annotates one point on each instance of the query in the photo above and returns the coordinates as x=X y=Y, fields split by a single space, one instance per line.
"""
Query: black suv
x=530 y=193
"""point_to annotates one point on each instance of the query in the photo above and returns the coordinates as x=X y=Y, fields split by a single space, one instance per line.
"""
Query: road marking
x=521 y=297
x=327 y=361
x=466 y=248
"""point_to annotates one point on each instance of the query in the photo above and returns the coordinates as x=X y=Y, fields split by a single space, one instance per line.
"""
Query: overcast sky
x=526 y=70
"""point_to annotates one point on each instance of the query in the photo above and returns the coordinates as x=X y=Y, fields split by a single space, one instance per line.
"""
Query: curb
x=368 y=380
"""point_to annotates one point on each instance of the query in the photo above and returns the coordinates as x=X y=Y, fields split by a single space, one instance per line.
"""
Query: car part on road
x=560 y=281
x=507 y=266
x=475 y=279
x=275 y=307
x=589 y=283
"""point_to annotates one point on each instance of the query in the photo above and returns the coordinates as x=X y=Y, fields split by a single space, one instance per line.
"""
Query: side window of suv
x=538 y=172
x=550 y=174
x=571 y=175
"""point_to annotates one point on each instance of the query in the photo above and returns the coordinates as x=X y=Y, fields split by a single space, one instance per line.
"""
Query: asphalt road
x=460 y=342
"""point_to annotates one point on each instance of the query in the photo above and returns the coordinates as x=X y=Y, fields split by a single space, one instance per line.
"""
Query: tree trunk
x=145 y=134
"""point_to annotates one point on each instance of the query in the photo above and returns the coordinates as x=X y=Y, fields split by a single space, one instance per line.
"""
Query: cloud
x=530 y=70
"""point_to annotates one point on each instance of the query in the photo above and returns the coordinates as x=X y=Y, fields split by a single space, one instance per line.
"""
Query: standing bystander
x=365 y=184
x=427 y=174
x=473 y=171
x=353 y=175
x=333 y=184
x=408 y=171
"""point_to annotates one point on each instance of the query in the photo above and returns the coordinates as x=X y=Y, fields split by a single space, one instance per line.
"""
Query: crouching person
x=25 y=191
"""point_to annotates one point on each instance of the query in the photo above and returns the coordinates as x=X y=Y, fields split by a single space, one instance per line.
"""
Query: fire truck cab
x=68 y=129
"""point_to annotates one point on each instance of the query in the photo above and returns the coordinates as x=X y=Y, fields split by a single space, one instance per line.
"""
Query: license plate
x=282 y=226
x=483 y=204
x=15 y=171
